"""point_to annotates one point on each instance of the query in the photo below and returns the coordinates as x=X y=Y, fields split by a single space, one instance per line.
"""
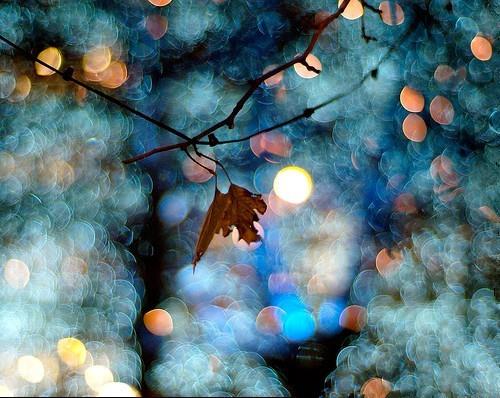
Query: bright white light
x=97 y=376
x=293 y=184
x=117 y=389
x=30 y=369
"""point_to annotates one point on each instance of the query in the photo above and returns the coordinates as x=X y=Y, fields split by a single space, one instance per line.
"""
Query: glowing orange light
x=51 y=56
x=96 y=60
x=353 y=318
x=481 y=48
x=157 y=26
x=22 y=89
x=305 y=73
x=354 y=9
x=414 y=128
x=114 y=75
x=388 y=16
x=160 y=3
x=376 y=388
x=411 y=99
x=441 y=110
x=159 y=322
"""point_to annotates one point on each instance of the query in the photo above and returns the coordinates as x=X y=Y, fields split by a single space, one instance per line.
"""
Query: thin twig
x=198 y=163
x=254 y=84
x=215 y=161
x=67 y=74
x=309 y=111
x=165 y=148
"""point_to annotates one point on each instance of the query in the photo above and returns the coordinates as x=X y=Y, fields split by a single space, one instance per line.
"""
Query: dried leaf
x=236 y=208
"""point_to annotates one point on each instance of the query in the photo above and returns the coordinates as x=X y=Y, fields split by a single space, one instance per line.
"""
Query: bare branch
x=67 y=74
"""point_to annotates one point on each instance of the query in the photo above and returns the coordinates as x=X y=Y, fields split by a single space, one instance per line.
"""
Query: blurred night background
x=377 y=272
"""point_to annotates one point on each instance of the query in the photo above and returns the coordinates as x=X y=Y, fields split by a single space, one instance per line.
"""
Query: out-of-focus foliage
x=387 y=225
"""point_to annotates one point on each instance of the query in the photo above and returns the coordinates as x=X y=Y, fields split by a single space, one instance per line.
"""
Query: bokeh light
x=391 y=13
x=481 y=48
x=160 y=3
x=96 y=60
x=270 y=320
x=411 y=99
x=156 y=25
x=97 y=376
x=71 y=351
x=118 y=389
x=414 y=128
x=293 y=184
x=30 y=368
x=376 y=388
x=158 y=322
x=299 y=325
x=354 y=9
x=392 y=262
x=16 y=273
x=353 y=318
x=441 y=110
x=51 y=56
x=302 y=69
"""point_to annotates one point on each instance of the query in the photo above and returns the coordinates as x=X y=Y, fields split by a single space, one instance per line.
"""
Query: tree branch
x=67 y=74
x=254 y=84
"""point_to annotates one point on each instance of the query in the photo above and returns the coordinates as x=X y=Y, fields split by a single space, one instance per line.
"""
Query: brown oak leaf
x=236 y=208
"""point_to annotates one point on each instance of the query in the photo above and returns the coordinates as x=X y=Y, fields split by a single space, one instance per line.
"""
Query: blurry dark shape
x=234 y=209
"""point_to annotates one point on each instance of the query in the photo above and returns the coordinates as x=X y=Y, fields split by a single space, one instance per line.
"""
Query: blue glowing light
x=299 y=325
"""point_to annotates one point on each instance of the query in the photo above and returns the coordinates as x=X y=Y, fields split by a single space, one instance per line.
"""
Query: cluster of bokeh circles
x=69 y=292
x=382 y=206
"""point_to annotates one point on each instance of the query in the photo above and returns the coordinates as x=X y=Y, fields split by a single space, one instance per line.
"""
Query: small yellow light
x=30 y=368
x=71 y=351
x=97 y=376
x=51 y=56
x=293 y=184
x=117 y=389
